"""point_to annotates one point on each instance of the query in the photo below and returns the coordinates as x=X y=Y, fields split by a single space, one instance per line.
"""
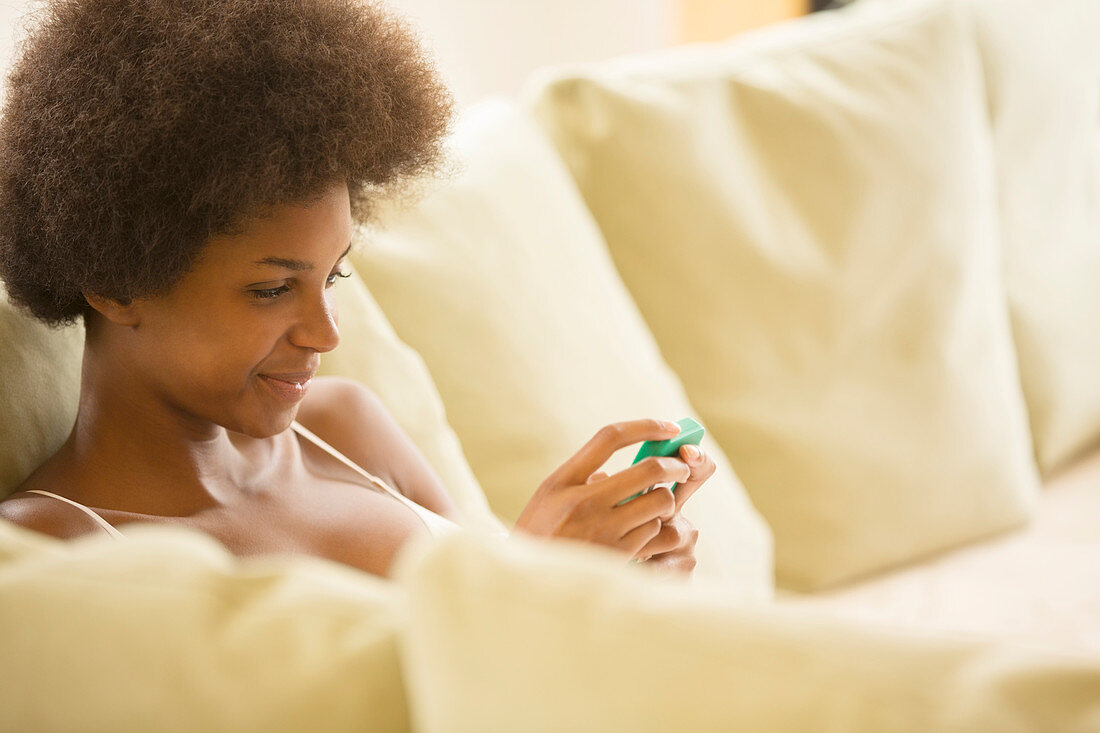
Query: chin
x=266 y=426
x=282 y=423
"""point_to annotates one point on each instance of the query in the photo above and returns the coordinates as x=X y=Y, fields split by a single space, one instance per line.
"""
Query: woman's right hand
x=567 y=505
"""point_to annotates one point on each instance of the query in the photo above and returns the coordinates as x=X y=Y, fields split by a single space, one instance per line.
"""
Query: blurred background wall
x=489 y=46
x=486 y=46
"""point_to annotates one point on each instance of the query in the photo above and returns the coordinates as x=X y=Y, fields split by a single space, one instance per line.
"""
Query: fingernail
x=672 y=426
x=692 y=453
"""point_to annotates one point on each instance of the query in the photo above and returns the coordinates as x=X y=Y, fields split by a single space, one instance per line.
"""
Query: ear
x=123 y=314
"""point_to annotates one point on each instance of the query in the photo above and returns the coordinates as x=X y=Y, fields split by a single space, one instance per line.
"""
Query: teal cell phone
x=691 y=433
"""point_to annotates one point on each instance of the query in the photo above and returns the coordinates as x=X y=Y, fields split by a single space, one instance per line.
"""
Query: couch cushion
x=806 y=218
x=1040 y=584
x=528 y=635
x=499 y=278
x=38 y=392
x=167 y=631
x=371 y=352
x=1042 y=72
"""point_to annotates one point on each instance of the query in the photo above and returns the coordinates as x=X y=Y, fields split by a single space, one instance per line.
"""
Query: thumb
x=597 y=476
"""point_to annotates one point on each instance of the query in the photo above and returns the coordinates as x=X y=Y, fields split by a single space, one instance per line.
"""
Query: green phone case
x=691 y=433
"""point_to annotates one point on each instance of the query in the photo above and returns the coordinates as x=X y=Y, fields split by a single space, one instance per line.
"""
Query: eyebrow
x=291 y=264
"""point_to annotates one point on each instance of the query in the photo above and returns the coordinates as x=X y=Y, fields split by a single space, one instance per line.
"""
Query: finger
x=702 y=467
x=643 y=475
x=598 y=476
x=673 y=564
x=670 y=512
x=606 y=441
x=654 y=505
x=667 y=539
x=637 y=538
x=678 y=535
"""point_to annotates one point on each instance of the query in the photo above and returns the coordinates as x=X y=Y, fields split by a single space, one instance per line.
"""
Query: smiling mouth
x=287 y=390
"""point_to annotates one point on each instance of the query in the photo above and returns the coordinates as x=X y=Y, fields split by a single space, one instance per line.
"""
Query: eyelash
x=271 y=293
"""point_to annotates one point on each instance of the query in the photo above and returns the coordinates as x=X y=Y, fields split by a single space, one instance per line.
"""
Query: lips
x=296 y=377
x=288 y=386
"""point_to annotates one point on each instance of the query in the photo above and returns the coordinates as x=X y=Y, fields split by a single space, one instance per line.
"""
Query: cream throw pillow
x=806 y=219
x=167 y=631
x=499 y=278
x=371 y=352
x=527 y=635
x=38 y=391
x=1042 y=68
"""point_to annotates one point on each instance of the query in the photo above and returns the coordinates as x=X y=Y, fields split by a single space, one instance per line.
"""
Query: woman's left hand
x=673 y=548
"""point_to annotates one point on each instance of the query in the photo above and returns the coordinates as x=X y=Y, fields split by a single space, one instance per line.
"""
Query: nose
x=316 y=326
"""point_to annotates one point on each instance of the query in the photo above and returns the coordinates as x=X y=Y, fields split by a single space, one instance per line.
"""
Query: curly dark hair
x=135 y=130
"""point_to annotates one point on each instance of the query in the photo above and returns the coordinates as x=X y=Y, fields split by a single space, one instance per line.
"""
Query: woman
x=183 y=177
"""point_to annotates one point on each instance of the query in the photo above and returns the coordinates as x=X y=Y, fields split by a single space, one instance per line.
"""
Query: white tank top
x=437 y=525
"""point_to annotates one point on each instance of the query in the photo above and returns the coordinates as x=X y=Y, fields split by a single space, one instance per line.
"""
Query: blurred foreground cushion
x=499 y=278
x=525 y=634
x=167 y=631
x=806 y=218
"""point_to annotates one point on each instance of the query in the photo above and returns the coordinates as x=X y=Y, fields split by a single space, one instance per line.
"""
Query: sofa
x=860 y=247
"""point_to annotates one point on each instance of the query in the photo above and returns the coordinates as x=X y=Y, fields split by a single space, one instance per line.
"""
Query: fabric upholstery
x=807 y=219
x=498 y=277
x=1042 y=72
x=40 y=387
x=517 y=635
x=371 y=353
x=167 y=631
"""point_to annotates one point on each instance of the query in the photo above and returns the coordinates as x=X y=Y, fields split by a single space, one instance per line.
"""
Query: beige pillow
x=371 y=352
x=529 y=635
x=167 y=631
x=806 y=219
x=499 y=278
x=1042 y=70
x=38 y=391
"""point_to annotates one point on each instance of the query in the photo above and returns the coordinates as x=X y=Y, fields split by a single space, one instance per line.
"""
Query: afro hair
x=135 y=130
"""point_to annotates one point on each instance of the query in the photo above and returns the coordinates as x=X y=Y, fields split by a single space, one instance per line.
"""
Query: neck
x=136 y=452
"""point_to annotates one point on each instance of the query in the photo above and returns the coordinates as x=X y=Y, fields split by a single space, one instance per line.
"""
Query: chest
x=313 y=505
x=338 y=520
x=301 y=501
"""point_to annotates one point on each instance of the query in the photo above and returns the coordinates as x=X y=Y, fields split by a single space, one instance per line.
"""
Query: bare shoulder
x=334 y=401
x=350 y=417
x=46 y=515
x=347 y=415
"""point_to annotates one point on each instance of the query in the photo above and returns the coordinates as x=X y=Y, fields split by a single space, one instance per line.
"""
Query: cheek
x=216 y=354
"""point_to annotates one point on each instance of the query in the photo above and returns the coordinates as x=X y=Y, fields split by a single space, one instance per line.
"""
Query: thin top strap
x=102 y=522
x=434 y=522
x=312 y=437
